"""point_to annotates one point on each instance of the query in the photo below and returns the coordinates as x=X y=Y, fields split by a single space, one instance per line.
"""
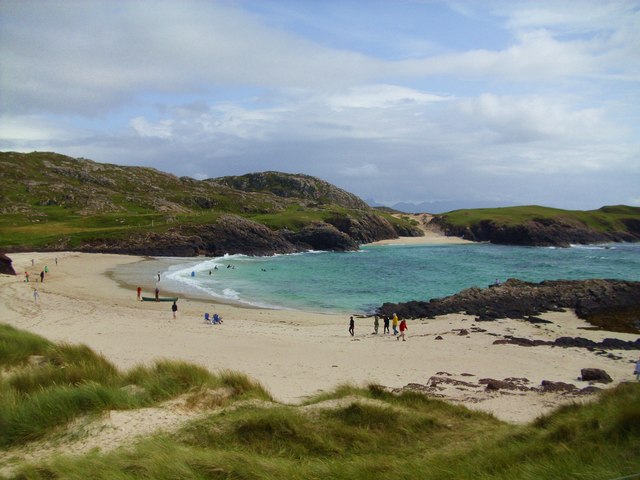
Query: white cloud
x=144 y=128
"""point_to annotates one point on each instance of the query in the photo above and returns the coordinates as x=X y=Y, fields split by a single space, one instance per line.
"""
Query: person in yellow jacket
x=394 y=324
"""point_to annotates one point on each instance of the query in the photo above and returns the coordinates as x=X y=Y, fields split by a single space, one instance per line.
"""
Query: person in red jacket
x=403 y=327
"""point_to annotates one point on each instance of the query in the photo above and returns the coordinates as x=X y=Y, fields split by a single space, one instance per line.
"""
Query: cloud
x=542 y=106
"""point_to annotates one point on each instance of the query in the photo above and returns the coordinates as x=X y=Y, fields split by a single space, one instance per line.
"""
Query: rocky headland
x=610 y=304
x=543 y=227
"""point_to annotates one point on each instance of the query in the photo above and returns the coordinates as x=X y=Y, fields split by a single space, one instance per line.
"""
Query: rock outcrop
x=6 y=267
x=540 y=232
x=611 y=304
x=230 y=234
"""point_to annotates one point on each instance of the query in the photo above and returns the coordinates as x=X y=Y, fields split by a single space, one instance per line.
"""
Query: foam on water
x=361 y=281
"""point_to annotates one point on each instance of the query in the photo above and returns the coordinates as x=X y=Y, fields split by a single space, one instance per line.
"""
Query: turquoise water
x=361 y=281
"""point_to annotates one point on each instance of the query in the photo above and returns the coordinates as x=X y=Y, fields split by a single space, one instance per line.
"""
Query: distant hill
x=542 y=226
x=54 y=202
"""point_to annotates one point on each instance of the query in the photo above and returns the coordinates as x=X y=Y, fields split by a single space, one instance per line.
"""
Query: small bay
x=358 y=282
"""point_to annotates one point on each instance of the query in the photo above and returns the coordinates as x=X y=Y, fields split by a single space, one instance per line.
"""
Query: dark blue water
x=361 y=281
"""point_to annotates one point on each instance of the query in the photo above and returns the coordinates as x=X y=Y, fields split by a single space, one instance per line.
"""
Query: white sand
x=295 y=354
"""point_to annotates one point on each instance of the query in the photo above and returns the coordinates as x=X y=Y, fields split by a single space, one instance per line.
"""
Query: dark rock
x=6 y=267
x=591 y=299
x=536 y=320
x=590 y=390
x=595 y=375
x=539 y=232
x=493 y=384
x=548 y=386
x=322 y=236
x=439 y=338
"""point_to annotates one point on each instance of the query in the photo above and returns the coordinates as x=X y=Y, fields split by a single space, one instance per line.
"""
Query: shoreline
x=298 y=354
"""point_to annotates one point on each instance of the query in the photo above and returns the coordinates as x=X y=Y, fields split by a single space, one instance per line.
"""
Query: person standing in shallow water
x=352 y=326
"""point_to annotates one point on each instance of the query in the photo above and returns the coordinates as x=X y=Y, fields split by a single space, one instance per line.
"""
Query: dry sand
x=296 y=354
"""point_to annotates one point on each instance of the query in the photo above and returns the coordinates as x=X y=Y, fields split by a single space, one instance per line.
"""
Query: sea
x=359 y=282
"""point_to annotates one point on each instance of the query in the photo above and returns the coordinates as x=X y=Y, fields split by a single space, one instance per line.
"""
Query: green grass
x=65 y=381
x=352 y=433
x=602 y=220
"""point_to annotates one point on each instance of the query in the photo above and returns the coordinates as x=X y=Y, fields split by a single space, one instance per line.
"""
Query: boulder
x=548 y=386
x=595 y=375
x=6 y=266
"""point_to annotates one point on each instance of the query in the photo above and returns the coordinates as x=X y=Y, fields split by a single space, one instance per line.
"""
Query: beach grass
x=46 y=385
x=352 y=433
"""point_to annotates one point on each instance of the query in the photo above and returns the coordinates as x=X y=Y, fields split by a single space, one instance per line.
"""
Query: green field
x=351 y=433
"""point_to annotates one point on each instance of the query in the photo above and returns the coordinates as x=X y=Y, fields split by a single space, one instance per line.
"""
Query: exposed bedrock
x=610 y=304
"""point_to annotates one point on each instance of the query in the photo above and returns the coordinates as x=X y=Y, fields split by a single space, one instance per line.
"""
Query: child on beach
x=35 y=295
x=403 y=328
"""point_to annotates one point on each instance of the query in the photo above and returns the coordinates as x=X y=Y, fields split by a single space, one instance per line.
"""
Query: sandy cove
x=298 y=354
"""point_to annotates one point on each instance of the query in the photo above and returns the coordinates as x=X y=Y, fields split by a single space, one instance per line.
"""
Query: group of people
x=399 y=326
x=42 y=274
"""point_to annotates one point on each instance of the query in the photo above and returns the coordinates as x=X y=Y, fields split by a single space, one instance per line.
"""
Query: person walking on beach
x=157 y=294
x=385 y=328
x=174 y=309
x=394 y=323
x=35 y=295
x=403 y=328
x=637 y=370
x=26 y=277
x=139 y=293
x=376 y=324
x=352 y=326
x=42 y=276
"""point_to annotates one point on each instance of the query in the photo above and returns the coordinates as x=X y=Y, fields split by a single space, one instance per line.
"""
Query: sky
x=458 y=104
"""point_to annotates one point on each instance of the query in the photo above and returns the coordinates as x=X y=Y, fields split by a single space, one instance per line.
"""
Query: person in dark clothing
x=386 y=324
x=352 y=326
x=174 y=309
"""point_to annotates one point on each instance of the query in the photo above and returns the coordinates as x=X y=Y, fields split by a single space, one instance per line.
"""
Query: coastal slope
x=543 y=226
x=52 y=202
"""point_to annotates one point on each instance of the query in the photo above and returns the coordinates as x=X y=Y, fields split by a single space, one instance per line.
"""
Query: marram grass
x=352 y=433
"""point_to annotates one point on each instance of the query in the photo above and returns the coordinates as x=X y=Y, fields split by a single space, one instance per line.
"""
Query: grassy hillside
x=602 y=220
x=47 y=199
x=351 y=433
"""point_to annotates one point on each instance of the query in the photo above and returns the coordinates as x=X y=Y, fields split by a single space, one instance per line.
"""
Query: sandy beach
x=297 y=354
